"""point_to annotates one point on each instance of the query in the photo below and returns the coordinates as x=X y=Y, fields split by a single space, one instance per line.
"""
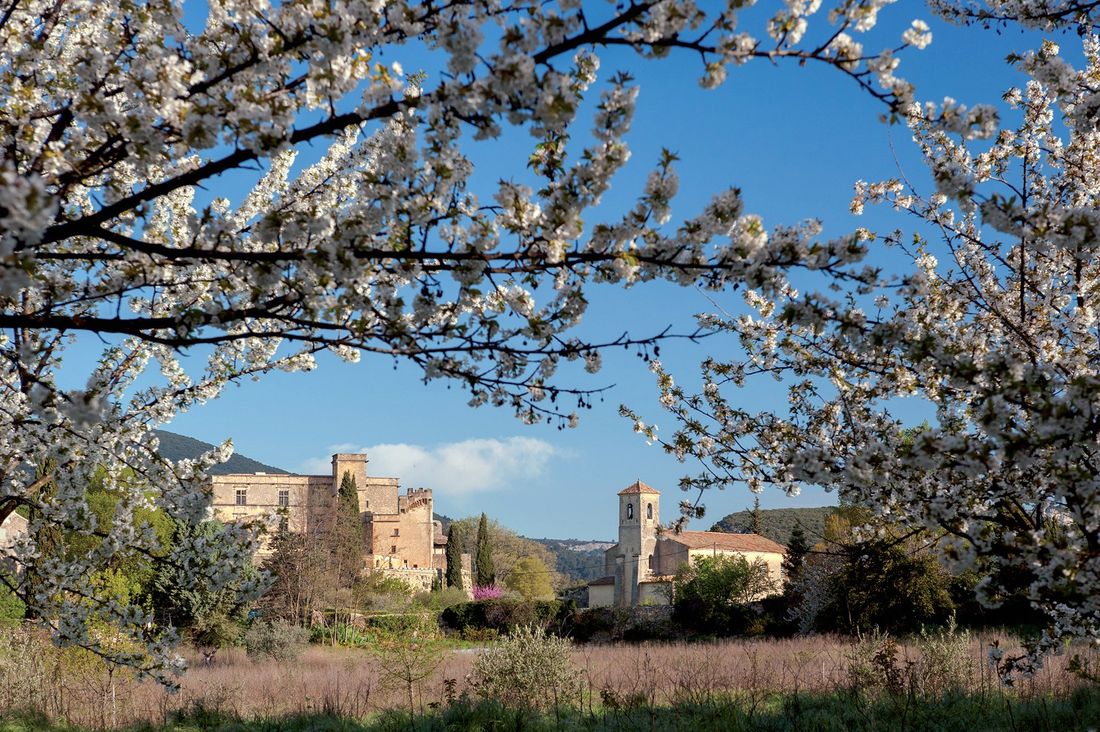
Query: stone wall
x=14 y=526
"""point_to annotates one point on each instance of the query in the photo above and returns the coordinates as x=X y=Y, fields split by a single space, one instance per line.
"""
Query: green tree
x=486 y=573
x=757 y=518
x=454 y=557
x=884 y=584
x=530 y=578
x=349 y=539
x=711 y=592
x=297 y=572
x=508 y=547
x=194 y=599
x=795 y=558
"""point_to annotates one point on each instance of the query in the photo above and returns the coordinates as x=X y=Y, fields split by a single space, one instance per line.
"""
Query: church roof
x=638 y=487
x=727 y=542
x=609 y=580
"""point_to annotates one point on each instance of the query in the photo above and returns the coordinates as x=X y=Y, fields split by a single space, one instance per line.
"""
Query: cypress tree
x=349 y=525
x=757 y=517
x=795 y=558
x=454 y=557
x=486 y=573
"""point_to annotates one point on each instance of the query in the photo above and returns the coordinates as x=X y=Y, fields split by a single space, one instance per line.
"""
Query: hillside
x=180 y=447
x=578 y=560
x=777 y=523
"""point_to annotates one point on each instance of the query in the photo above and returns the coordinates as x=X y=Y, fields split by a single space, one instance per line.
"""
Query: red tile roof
x=602 y=581
x=722 y=540
x=638 y=487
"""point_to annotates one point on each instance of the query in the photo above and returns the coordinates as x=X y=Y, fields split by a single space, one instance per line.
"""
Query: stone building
x=402 y=538
x=13 y=527
x=639 y=569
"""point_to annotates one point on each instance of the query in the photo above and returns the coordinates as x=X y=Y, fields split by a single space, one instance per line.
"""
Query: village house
x=640 y=568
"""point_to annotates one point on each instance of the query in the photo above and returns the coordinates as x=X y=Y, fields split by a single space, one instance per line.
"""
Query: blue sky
x=793 y=139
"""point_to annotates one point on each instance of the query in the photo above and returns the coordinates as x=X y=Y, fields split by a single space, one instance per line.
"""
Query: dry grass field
x=355 y=684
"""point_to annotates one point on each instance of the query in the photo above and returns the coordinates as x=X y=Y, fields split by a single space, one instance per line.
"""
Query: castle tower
x=356 y=464
x=639 y=517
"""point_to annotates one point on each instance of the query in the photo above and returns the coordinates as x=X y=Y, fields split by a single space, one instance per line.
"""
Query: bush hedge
x=504 y=615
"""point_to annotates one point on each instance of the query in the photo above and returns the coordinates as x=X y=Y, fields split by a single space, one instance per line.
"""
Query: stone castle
x=401 y=537
x=639 y=569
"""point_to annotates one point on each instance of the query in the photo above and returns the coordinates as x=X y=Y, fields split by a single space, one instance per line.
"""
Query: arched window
x=649 y=512
x=630 y=510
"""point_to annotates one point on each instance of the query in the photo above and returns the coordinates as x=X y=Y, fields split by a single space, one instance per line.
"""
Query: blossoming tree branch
x=989 y=313
x=117 y=118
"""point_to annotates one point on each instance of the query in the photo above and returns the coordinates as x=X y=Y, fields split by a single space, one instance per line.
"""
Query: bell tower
x=639 y=517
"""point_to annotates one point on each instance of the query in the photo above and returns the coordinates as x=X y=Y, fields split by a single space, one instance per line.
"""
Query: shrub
x=528 y=669
x=880 y=584
x=504 y=615
x=945 y=661
x=712 y=594
x=277 y=640
x=873 y=663
x=488 y=592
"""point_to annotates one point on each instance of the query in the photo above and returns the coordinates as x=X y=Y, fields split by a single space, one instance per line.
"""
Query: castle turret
x=353 y=463
x=638 y=520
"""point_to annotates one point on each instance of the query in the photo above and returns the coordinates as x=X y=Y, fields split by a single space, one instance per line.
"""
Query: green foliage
x=454 y=557
x=408 y=655
x=507 y=546
x=529 y=669
x=712 y=593
x=209 y=613
x=531 y=579
x=881 y=585
x=127 y=575
x=575 y=565
x=276 y=640
x=756 y=524
x=505 y=615
x=777 y=523
x=12 y=608
x=794 y=560
x=486 y=573
x=439 y=600
x=348 y=534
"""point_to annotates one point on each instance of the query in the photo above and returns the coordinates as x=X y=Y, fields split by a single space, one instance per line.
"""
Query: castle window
x=242 y=496
x=393 y=549
x=284 y=497
x=397 y=532
x=649 y=512
x=630 y=510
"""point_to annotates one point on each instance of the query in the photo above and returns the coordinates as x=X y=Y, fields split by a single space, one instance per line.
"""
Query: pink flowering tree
x=488 y=592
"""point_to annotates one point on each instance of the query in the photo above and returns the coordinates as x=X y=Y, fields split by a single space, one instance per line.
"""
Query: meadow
x=818 y=682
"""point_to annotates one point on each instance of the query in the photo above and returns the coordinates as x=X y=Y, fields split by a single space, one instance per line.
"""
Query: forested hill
x=180 y=447
x=777 y=523
x=578 y=560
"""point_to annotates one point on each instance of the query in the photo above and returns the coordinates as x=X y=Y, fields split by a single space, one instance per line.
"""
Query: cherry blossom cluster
x=987 y=314
x=119 y=121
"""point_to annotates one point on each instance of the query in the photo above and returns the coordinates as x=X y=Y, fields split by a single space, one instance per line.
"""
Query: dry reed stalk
x=346 y=682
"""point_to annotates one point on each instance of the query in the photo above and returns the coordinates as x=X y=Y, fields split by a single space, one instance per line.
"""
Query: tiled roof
x=728 y=542
x=602 y=581
x=638 y=487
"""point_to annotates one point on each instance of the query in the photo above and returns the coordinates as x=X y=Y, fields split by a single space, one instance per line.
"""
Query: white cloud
x=453 y=468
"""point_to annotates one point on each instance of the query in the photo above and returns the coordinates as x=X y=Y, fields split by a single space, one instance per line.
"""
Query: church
x=402 y=538
x=639 y=569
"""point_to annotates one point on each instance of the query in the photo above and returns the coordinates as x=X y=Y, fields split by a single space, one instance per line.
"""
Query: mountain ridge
x=176 y=447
